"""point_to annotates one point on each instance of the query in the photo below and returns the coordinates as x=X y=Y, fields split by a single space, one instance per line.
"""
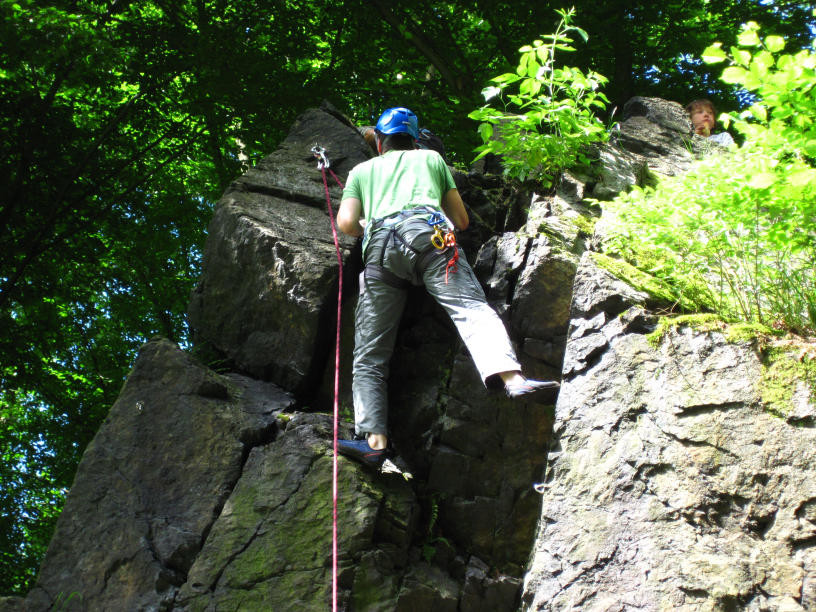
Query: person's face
x=702 y=119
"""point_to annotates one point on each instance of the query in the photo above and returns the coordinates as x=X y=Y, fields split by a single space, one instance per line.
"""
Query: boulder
x=152 y=482
x=266 y=297
x=652 y=138
x=670 y=483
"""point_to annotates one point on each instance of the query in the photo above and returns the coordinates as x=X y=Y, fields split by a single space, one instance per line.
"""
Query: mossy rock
x=661 y=294
x=709 y=322
x=783 y=370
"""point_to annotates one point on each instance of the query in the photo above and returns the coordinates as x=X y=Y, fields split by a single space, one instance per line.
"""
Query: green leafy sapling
x=546 y=116
x=782 y=118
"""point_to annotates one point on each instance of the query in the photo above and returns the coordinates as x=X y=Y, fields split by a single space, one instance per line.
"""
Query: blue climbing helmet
x=398 y=120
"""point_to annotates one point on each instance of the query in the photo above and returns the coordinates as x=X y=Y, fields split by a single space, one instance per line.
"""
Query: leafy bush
x=543 y=127
x=782 y=120
x=738 y=232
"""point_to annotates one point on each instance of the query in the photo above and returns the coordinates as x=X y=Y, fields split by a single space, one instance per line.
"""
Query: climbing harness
x=440 y=242
x=323 y=165
x=444 y=240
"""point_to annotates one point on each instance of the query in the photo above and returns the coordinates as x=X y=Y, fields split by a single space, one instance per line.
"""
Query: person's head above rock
x=703 y=116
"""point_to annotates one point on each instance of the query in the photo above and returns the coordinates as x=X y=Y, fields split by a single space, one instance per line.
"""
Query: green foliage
x=783 y=119
x=740 y=224
x=662 y=292
x=432 y=540
x=543 y=127
x=61 y=602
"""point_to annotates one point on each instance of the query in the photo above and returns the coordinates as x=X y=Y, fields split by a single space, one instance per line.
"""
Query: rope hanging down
x=323 y=165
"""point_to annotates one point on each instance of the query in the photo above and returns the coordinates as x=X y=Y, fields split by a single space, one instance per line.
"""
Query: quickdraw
x=444 y=240
x=320 y=153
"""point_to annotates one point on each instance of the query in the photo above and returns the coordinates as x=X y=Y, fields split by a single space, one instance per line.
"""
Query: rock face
x=271 y=547
x=207 y=491
x=670 y=486
x=654 y=138
x=264 y=300
x=152 y=482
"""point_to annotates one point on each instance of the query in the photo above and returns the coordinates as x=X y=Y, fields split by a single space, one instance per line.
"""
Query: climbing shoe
x=359 y=450
x=538 y=390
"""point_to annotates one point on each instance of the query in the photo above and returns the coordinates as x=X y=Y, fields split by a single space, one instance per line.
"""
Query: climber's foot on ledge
x=536 y=390
x=359 y=450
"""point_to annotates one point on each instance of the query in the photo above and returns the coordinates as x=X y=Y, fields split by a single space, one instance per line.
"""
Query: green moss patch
x=707 y=322
x=783 y=369
x=703 y=322
x=746 y=332
x=585 y=225
x=658 y=290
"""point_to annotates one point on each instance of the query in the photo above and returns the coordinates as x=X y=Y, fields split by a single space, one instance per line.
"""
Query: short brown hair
x=399 y=141
x=701 y=102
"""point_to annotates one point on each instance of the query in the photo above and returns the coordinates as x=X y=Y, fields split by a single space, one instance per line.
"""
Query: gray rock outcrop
x=207 y=491
x=671 y=486
x=653 y=138
x=264 y=301
x=152 y=482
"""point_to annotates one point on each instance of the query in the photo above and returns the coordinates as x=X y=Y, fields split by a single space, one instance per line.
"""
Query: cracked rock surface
x=669 y=487
x=269 y=266
x=270 y=549
x=151 y=483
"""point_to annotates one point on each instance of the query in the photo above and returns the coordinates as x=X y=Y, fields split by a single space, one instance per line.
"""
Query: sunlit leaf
x=741 y=56
x=764 y=60
x=581 y=33
x=759 y=111
x=734 y=74
x=774 y=44
x=491 y=92
x=762 y=180
x=748 y=37
x=714 y=54
x=802 y=177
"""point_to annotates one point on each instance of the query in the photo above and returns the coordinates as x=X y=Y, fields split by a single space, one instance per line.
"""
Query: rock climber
x=703 y=117
x=400 y=202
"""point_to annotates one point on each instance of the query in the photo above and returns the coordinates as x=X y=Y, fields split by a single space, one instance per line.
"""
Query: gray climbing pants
x=403 y=253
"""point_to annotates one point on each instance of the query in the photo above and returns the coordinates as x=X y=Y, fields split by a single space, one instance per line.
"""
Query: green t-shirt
x=398 y=180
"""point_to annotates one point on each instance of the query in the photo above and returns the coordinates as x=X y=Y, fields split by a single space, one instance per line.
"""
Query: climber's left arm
x=454 y=209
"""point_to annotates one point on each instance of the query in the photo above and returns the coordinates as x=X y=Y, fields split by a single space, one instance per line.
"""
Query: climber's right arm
x=348 y=217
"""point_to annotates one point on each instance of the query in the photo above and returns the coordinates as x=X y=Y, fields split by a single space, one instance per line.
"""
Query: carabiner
x=436 y=219
x=320 y=153
x=438 y=239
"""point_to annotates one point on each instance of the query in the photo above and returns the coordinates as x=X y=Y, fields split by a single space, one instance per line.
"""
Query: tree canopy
x=123 y=121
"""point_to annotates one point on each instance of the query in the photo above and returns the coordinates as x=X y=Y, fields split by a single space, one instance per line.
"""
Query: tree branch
x=418 y=39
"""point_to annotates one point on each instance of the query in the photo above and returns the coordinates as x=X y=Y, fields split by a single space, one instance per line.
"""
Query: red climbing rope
x=323 y=165
x=450 y=242
x=444 y=240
